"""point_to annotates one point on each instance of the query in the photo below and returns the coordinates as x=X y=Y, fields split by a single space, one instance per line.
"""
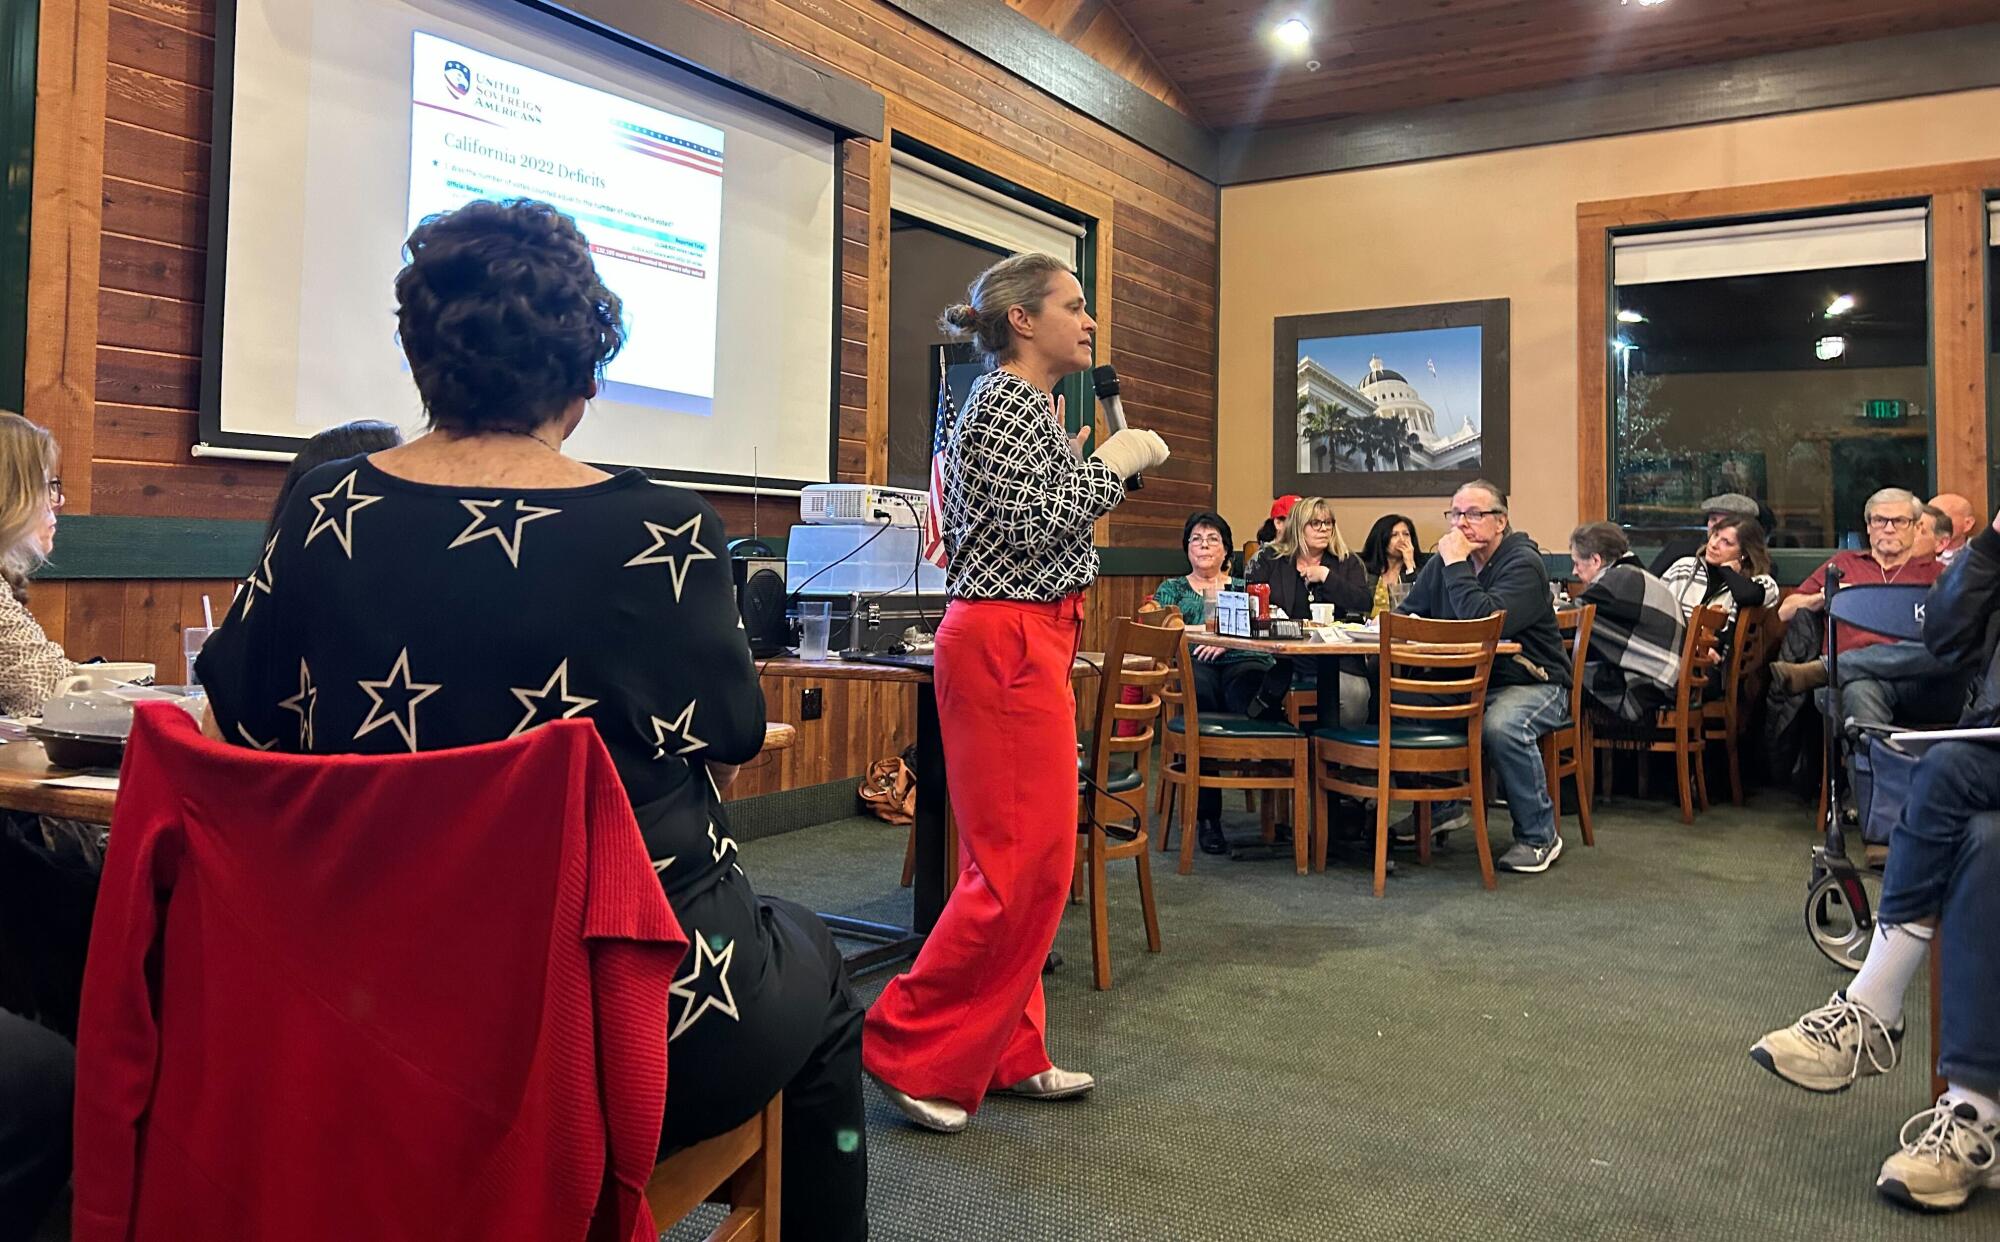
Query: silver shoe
x=942 y=1116
x=1054 y=1084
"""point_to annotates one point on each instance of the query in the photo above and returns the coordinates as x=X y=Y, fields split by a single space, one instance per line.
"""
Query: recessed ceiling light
x=1630 y=316
x=1827 y=348
x=1292 y=32
x=1840 y=305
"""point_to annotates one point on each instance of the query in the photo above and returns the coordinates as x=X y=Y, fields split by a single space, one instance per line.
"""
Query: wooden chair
x=1566 y=748
x=1722 y=718
x=1245 y=750
x=1419 y=659
x=1678 y=730
x=1112 y=795
x=740 y=1168
x=950 y=848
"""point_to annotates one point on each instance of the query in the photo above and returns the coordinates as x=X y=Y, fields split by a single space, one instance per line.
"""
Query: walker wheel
x=1831 y=919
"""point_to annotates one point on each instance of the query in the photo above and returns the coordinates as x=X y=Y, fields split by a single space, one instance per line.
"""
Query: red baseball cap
x=1282 y=507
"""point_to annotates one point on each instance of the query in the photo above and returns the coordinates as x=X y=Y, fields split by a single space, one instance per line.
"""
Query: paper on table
x=84 y=780
x=1922 y=741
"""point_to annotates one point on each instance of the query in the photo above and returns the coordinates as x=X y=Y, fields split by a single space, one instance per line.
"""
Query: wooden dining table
x=1360 y=645
x=24 y=767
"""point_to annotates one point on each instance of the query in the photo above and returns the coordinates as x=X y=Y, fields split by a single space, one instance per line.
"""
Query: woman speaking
x=1019 y=504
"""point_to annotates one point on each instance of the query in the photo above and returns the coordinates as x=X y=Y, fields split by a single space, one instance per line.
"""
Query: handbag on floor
x=889 y=791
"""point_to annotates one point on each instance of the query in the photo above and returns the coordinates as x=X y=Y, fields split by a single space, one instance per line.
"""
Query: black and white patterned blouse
x=1018 y=505
x=387 y=615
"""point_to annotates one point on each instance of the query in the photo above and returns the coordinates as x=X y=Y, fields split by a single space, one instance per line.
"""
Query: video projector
x=861 y=504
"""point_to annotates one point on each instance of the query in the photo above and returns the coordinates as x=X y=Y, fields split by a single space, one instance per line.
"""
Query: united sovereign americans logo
x=458 y=76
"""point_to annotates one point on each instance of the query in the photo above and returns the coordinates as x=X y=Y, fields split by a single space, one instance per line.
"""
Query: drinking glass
x=815 y=620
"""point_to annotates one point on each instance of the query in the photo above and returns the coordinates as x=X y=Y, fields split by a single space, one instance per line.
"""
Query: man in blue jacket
x=1482 y=566
x=1942 y=882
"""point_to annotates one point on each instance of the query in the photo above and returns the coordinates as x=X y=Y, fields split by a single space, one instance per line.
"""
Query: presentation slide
x=711 y=214
x=644 y=185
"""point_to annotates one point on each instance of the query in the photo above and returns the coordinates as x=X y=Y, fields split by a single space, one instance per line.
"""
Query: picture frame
x=1342 y=426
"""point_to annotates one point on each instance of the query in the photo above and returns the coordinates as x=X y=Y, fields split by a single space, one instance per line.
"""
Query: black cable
x=792 y=597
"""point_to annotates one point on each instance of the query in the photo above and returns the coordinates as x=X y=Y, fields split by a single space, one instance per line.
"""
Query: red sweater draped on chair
x=351 y=997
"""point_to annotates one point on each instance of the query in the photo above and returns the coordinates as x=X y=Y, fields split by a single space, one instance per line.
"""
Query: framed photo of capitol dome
x=1403 y=401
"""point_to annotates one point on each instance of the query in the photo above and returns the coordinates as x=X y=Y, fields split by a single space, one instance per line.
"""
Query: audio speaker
x=759 y=573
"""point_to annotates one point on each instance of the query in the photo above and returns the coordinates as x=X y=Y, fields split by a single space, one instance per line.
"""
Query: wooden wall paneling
x=863 y=721
x=60 y=389
x=876 y=326
x=1593 y=369
x=48 y=603
x=1958 y=328
x=906 y=60
x=95 y=621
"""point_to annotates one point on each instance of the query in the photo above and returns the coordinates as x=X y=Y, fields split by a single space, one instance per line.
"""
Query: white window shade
x=1859 y=240
x=1993 y=222
x=932 y=194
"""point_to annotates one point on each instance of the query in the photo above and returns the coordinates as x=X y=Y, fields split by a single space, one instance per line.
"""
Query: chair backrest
x=1577 y=623
x=377 y=930
x=1746 y=652
x=1895 y=610
x=1423 y=660
x=1159 y=646
x=1698 y=665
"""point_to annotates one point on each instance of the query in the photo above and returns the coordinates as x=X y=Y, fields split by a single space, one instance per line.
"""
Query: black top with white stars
x=387 y=616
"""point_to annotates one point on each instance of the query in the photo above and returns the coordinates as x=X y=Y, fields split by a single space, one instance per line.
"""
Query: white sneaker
x=1054 y=1084
x=1830 y=1047
x=1951 y=1155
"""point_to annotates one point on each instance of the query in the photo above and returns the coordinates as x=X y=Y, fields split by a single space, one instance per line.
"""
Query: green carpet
x=1562 y=1058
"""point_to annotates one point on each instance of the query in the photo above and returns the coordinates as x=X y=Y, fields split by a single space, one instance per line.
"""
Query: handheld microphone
x=1105 y=380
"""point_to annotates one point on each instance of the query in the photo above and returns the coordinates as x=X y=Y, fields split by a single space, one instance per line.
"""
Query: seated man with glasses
x=1482 y=566
x=1882 y=680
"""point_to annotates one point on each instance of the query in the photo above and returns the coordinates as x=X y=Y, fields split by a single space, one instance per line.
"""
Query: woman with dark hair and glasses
x=476 y=582
x=1392 y=557
x=1224 y=680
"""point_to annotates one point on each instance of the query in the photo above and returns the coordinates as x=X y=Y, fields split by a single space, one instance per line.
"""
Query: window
x=1785 y=359
x=17 y=139
x=947 y=227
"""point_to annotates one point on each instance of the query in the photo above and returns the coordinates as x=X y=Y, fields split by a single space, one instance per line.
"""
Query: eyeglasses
x=1205 y=541
x=55 y=491
x=1319 y=524
x=1877 y=521
x=1470 y=515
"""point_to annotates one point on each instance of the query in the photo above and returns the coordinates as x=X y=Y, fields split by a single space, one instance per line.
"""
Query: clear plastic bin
x=880 y=567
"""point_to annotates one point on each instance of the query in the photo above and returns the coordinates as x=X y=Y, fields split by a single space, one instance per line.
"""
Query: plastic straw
x=207 y=613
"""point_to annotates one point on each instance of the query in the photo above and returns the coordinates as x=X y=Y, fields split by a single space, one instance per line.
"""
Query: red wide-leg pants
x=967 y=1018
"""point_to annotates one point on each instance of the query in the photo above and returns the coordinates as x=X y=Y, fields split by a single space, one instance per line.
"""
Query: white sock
x=1987 y=1107
x=1894 y=957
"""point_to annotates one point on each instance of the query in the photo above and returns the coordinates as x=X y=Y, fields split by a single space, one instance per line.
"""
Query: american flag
x=934 y=511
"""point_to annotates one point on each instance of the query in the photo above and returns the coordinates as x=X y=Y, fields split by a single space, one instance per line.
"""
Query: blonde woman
x=1310 y=563
x=31 y=667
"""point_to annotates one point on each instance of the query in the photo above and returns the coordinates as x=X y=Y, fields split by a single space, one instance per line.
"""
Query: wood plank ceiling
x=1389 y=55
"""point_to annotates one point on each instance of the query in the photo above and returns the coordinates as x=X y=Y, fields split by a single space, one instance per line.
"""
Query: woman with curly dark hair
x=475 y=582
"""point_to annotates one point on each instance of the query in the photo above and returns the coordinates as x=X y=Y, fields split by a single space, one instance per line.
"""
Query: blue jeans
x=1900 y=683
x=1516 y=719
x=1944 y=861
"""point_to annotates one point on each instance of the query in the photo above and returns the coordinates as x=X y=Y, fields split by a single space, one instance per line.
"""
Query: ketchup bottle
x=1261 y=592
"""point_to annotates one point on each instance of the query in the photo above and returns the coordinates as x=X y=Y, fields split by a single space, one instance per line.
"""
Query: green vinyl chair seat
x=1223 y=724
x=1404 y=736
